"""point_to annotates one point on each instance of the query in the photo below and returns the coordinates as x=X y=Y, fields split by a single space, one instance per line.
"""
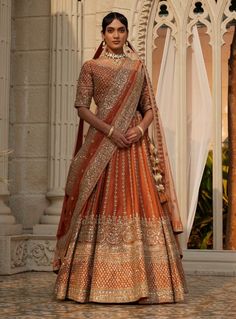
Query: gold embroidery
x=120 y=246
x=131 y=261
x=107 y=148
x=84 y=91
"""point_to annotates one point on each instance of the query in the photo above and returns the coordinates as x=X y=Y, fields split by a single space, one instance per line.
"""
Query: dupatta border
x=103 y=154
x=113 y=95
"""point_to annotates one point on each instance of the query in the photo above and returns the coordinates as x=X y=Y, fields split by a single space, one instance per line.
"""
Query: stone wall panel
x=30 y=176
x=30 y=67
x=105 y=6
x=31 y=8
x=30 y=140
x=25 y=30
x=89 y=32
x=30 y=104
x=28 y=208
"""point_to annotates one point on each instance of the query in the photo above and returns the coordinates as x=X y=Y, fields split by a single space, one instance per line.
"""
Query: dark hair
x=112 y=16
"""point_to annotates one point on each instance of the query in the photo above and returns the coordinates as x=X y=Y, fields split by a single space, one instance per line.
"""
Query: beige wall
x=29 y=109
x=94 y=11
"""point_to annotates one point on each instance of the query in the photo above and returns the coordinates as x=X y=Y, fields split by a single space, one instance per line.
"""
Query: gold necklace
x=115 y=57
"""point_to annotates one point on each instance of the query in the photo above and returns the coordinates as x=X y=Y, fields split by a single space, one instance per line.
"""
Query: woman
x=116 y=238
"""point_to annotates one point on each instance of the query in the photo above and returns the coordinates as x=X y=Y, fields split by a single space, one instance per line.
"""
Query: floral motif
x=41 y=253
x=19 y=254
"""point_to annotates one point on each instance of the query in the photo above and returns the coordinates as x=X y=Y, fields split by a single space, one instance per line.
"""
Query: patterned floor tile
x=30 y=296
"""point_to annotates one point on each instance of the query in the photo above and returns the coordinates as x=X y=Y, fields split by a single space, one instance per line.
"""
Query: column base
x=26 y=253
x=12 y=229
x=44 y=229
x=209 y=262
x=50 y=220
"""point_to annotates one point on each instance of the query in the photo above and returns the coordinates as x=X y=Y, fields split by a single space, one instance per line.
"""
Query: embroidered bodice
x=95 y=80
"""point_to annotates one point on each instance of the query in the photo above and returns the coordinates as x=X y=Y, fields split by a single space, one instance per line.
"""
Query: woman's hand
x=119 y=139
x=133 y=134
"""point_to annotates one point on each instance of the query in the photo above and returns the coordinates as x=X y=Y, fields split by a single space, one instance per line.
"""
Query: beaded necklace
x=114 y=56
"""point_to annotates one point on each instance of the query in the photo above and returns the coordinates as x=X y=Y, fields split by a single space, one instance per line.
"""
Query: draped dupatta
x=91 y=159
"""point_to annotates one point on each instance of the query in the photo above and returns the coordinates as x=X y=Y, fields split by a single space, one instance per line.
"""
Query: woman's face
x=115 y=36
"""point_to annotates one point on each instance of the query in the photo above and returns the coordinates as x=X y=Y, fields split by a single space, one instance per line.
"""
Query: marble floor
x=30 y=296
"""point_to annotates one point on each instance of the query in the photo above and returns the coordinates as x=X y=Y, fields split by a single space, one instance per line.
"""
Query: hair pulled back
x=112 y=16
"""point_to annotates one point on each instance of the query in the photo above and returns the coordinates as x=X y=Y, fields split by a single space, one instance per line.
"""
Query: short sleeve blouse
x=84 y=92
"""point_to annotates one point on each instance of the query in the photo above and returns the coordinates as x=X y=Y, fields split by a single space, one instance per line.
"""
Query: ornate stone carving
x=142 y=29
x=164 y=16
x=41 y=252
x=229 y=14
x=19 y=254
x=134 y=22
x=199 y=13
x=26 y=253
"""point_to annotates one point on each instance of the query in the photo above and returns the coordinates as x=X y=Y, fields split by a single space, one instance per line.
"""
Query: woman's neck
x=118 y=51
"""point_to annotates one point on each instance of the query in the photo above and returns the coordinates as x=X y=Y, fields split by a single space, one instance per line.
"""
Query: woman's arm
x=83 y=99
x=117 y=137
x=134 y=134
x=145 y=107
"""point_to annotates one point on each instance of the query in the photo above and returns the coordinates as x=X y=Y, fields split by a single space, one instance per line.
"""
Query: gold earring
x=127 y=49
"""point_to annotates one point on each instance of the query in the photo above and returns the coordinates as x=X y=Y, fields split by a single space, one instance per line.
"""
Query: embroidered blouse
x=95 y=79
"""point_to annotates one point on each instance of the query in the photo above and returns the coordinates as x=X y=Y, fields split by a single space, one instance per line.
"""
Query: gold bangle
x=140 y=129
x=110 y=131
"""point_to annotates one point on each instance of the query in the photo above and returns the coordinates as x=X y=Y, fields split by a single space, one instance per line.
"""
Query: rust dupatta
x=90 y=160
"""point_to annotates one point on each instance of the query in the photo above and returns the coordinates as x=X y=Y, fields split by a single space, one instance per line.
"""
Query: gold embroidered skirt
x=125 y=249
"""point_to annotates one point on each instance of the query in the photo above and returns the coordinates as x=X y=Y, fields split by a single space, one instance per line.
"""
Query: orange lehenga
x=116 y=237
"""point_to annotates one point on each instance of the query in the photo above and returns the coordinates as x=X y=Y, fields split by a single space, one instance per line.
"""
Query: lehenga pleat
x=125 y=249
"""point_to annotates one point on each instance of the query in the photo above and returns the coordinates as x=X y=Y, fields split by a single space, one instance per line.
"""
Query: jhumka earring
x=126 y=47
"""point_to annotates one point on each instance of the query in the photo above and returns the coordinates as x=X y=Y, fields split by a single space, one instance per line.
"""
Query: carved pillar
x=8 y=224
x=64 y=70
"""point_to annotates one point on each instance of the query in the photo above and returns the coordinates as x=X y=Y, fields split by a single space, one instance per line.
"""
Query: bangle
x=110 y=131
x=140 y=129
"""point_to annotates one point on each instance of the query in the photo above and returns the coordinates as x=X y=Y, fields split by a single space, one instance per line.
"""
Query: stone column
x=64 y=69
x=8 y=224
